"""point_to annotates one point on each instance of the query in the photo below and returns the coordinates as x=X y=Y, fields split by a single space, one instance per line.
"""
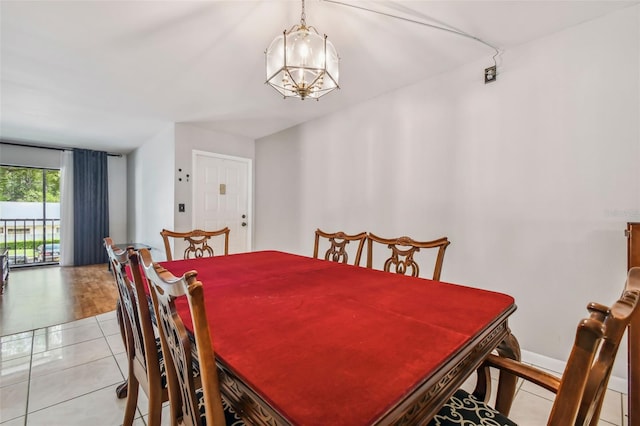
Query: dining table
x=305 y=341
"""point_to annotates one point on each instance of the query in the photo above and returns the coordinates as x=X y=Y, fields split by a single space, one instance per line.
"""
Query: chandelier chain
x=303 y=16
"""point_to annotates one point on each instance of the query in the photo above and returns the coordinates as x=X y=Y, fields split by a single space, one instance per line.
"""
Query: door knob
x=244 y=223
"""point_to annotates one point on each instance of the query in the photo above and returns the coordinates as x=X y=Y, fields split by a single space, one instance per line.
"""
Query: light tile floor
x=67 y=375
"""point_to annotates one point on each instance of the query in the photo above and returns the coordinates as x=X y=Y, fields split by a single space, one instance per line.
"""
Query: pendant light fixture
x=301 y=63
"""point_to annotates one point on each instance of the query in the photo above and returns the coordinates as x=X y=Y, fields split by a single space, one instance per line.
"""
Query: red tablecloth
x=332 y=344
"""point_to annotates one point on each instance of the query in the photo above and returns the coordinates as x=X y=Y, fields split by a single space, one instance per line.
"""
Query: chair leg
x=132 y=401
x=175 y=413
x=121 y=390
x=155 y=407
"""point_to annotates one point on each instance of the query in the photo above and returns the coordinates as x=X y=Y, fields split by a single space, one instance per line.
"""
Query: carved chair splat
x=198 y=242
x=403 y=250
x=337 y=251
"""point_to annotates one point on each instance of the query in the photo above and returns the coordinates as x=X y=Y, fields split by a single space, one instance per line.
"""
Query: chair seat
x=231 y=418
x=465 y=409
x=163 y=370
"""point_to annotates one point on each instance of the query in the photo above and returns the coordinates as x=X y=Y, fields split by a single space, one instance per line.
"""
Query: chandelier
x=301 y=63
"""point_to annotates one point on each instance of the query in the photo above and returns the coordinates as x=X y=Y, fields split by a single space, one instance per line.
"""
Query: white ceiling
x=111 y=74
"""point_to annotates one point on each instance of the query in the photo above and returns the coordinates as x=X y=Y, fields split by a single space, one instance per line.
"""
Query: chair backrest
x=123 y=318
x=141 y=340
x=403 y=249
x=337 y=251
x=586 y=376
x=197 y=240
x=176 y=344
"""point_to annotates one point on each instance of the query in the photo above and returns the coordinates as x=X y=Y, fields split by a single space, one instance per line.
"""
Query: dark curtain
x=90 y=206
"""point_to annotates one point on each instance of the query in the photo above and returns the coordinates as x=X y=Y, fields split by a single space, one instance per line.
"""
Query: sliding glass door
x=30 y=214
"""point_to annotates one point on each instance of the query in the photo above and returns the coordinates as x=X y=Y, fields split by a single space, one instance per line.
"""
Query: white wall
x=157 y=167
x=189 y=138
x=532 y=178
x=151 y=190
x=117 y=170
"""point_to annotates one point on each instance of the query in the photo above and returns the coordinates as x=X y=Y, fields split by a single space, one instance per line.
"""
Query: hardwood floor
x=36 y=297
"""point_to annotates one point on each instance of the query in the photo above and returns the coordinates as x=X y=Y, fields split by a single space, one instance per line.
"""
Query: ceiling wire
x=402 y=18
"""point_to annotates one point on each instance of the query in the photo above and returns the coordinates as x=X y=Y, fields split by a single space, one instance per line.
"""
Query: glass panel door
x=30 y=214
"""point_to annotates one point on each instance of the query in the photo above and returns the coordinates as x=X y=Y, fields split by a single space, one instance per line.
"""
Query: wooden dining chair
x=403 y=250
x=144 y=355
x=581 y=389
x=199 y=405
x=197 y=240
x=337 y=250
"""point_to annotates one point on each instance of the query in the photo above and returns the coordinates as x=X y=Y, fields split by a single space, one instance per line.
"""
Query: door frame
x=249 y=162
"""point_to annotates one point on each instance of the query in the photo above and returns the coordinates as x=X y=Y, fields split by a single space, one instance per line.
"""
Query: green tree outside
x=23 y=184
x=53 y=186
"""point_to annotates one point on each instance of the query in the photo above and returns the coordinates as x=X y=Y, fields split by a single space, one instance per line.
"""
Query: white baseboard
x=618 y=384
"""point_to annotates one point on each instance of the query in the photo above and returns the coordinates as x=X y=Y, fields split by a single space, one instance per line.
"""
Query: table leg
x=509 y=348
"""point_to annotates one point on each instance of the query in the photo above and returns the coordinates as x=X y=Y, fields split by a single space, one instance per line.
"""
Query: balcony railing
x=30 y=241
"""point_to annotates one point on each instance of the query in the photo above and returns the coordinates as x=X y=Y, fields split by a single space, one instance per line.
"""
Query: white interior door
x=221 y=196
